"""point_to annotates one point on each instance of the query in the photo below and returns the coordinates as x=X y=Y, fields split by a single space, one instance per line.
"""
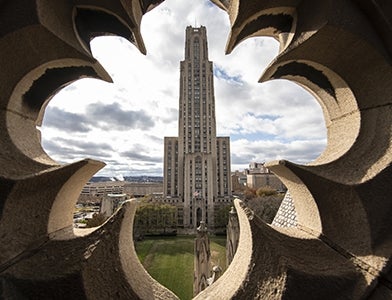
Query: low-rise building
x=238 y=181
x=258 y=175
x=111 y=202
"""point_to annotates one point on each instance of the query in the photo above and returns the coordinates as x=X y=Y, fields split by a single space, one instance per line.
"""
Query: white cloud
x=266 y=121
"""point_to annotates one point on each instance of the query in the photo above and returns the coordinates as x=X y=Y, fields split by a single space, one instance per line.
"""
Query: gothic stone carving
x=342 y=245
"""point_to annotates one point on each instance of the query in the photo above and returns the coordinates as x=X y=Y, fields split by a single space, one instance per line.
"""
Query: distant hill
x=141 y=178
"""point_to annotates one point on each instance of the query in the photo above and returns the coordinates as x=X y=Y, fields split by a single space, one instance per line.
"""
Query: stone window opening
x=25 y=169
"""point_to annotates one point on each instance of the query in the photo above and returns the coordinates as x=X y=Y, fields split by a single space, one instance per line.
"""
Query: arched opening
x=37 y=190
x=126 y=132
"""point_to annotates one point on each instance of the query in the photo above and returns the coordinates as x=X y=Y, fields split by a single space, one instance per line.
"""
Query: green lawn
x=170 y=261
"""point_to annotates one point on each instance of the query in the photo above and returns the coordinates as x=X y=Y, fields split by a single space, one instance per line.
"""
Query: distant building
x=197 y=162
x=111 y=202
x=256 y=167
x=238 y=181
x=138 y=189
x=286 y=215
x=97 y=189
x=141 y=189
x=258 y=175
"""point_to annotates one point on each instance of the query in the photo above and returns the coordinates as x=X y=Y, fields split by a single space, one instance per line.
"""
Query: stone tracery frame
x=342 y=246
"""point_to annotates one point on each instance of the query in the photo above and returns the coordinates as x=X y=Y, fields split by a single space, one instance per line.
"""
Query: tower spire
x=197 y=163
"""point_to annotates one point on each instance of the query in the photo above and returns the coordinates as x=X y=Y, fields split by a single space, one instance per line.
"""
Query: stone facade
x=197 y=162
x=238 y=181
x=111 y=202
x=97 y=189
x=264 y=179
x=135 y=189
x=258 y=175
x=286 y=215
x=342 y=244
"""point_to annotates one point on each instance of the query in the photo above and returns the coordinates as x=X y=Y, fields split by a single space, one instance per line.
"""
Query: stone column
x=202 y=259
x=233 y=235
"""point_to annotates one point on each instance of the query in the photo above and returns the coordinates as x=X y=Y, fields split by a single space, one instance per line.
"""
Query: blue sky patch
x=222 y=74
x=264 y=117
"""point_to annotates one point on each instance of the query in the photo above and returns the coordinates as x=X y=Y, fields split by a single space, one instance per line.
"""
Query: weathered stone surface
x=99 y=265
x=341 y=246
x=45 y=46
x=288 y=264
x=232 y=236
x=202 y=259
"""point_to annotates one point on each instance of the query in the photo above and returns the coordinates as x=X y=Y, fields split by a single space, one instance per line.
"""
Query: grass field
x=170 y=260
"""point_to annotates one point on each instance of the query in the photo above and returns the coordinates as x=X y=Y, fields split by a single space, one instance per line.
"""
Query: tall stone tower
x=197 y=162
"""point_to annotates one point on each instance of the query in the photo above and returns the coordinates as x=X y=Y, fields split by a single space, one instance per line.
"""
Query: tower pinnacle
x=197 y=162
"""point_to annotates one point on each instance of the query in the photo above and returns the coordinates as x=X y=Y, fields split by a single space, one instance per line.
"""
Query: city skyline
x=123 y=123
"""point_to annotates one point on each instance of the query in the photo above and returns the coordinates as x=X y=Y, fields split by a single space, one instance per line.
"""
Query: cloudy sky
x=124 y=123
